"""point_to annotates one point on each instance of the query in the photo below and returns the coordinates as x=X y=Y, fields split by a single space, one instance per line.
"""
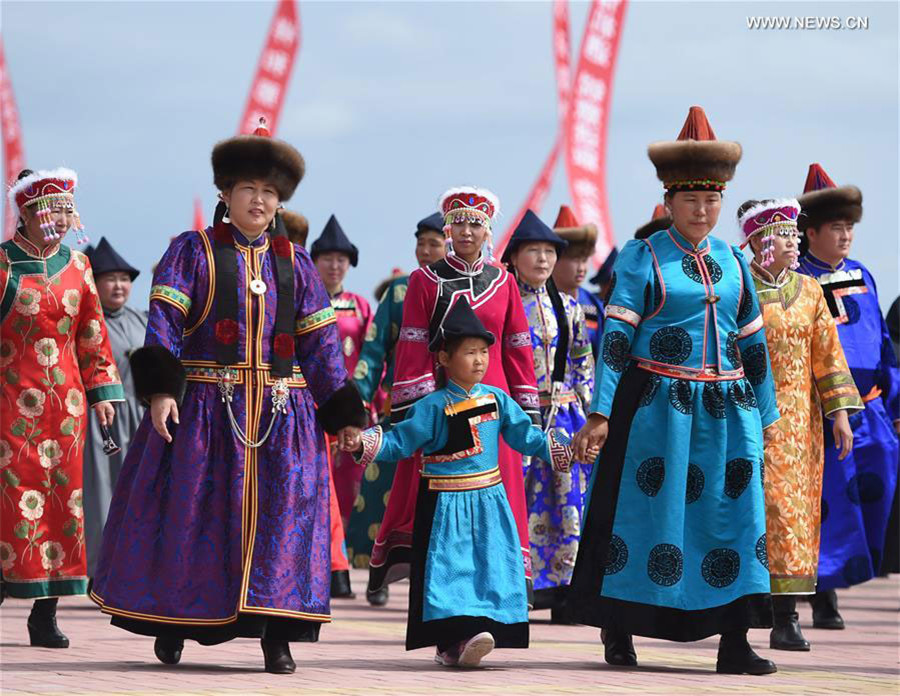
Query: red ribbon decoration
x=538 y=194
x=273 y=72
x=13 y=154
x=586 y=127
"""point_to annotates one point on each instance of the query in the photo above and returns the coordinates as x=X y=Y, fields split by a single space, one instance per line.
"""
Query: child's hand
x=349 y=439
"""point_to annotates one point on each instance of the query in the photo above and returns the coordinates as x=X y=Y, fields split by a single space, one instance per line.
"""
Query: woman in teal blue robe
x=674 y=543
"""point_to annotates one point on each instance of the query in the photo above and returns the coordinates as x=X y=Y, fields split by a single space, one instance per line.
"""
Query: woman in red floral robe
x=55 y=359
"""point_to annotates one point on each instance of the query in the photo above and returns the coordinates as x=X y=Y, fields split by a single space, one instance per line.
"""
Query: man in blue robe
x=858 y=491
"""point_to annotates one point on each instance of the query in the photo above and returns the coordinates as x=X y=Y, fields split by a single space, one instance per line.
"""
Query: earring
x=225 y=217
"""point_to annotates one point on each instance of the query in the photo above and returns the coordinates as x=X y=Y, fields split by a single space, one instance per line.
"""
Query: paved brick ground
x=362 y=652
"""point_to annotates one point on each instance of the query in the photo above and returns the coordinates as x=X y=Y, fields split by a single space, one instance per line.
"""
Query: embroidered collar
x=687 y=247
x=35 y=252
x=454 y=389
x=767 y=278
x=241 y=241
x=822 y=265
x=525 y=287
x=463 y=266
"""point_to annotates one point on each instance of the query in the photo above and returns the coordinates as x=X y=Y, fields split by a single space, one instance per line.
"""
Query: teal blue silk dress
x=674 y=541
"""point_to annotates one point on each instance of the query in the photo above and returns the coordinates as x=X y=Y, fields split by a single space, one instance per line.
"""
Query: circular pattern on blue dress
x=738 y=473
x=695 y=482
x=680 y=396
x=762 y=553
x=650 y=389
x=650 y=475
x=616 y=556
x=692 y=270
x=755 y=363
x=857 y=569
x=865 y=487
x=721 y=567
x=739 y=392
x=731 y=350
x=745 y=307
x=671 y=345
x=615 y=350
x=750 y=394
x=851 y=309
x=762 y=473
x=665 y=564
x=714 y=399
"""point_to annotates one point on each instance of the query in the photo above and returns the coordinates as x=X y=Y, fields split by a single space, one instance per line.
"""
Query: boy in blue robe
x=467 y=582
x=858 y=490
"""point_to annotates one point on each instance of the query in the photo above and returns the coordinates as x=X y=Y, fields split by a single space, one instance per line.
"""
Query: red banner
x=273 y=72
x=588 y=117
x=561 y=52
x=13 y=156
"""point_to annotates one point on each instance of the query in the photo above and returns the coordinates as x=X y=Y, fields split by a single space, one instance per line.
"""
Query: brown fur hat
x=823 y=201
x=696 y=160
x=582 y=239
x=659 y=221
x=258 y=156
x=296 y=226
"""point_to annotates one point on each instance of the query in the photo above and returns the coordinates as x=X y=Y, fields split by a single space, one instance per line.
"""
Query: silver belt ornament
x=226 y=378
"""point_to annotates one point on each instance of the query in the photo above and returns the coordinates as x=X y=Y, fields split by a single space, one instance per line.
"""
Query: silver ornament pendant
x=257 y=287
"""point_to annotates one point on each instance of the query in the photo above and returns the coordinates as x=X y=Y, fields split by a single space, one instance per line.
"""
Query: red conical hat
x=659 y=221
x=824 y=201
x=696 y=160
x=582 y=239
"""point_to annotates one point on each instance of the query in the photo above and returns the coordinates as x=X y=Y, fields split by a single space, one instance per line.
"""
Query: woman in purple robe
x=219 y=525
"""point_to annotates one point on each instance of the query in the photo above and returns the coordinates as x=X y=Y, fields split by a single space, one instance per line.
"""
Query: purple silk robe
x=205 y=532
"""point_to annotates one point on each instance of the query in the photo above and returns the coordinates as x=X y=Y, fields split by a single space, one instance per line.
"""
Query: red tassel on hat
x=817 y=179
x=696 y=126
x=565 y=219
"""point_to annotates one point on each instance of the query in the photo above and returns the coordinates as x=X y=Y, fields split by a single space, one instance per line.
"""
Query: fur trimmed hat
x=383 y=285
x=824 y=201
x=659 y=221
x=582 y=239
x=258 y=156
x=696 y=161
x=296 y=226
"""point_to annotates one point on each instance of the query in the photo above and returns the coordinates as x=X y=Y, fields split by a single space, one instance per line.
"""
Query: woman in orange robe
x=55 y=360
x=811 y=377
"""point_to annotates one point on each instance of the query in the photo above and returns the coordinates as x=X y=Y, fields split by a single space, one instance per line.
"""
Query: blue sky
x=392 y=103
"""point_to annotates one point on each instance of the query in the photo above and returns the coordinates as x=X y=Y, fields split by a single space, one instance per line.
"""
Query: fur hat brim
x=582 y=240
x=296 y=226
x=248 y=157
x=653 y=227
x=828 y=205
x=689 y=160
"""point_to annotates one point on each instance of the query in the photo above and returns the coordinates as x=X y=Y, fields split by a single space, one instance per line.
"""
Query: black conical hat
x=460 y=322
x=334 y=239
x=105 y=259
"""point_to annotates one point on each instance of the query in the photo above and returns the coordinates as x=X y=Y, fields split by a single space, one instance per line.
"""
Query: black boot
x=618 y=648
x=559 y=615
x=825 y=611
x=737 y=657
x=42 y=629
x=340 y=585
x=786 y=635
x=168 y=650
x=277 y=654
x=378 y=598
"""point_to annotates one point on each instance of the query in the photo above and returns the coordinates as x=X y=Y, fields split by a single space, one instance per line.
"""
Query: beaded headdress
x=46 y=191
x=470 y=204
x=769 y=219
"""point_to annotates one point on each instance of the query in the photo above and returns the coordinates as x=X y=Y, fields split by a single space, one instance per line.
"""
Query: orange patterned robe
x=55 y=362
x=811 y=376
